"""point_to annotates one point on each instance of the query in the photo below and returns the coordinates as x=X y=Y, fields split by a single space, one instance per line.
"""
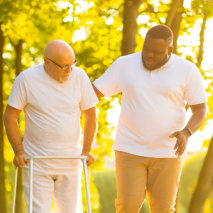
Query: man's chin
x=150 y=67
x=63 y=80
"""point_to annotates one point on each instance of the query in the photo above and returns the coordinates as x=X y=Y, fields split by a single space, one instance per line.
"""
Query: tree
x=2 y=173
x=205 y=183
x=172 y=12
x=202 y=33
x=130 y=14
x=175 y=24
x=204 y=8
x=18 y=67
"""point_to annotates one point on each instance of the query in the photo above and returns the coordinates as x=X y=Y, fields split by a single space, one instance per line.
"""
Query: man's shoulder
x=34 y=70
x=182 y=62
x=79 y=72
x=128 y=60
x=130 y=57
x=79 y=75
x=184 y=67
x=28 y=74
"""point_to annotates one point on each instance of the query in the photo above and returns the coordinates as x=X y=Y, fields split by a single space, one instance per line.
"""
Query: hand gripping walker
x=31 y=159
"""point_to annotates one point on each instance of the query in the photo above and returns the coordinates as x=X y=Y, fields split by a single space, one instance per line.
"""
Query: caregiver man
x=156 y=86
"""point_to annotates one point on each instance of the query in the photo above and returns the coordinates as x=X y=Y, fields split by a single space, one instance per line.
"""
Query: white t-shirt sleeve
x=88 y=96
x=18 y=95
x=194 y=91
x=108 y=83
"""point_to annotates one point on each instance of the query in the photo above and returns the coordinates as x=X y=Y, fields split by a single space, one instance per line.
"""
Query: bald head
x=58 y=54
x=57 y=49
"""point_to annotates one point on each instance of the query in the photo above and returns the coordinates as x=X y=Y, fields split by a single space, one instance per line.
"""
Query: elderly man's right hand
x=19 y=159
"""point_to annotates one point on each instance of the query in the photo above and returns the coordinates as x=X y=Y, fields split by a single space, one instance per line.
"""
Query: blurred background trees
x=100 y=31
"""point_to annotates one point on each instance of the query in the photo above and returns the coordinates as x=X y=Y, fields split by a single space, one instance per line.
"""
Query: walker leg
x=30 y=207
x=87 y=186
x=31 y=187
x=14 y=189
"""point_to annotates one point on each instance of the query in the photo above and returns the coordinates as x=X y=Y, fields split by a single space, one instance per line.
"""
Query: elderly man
x=152 y=135
x=52 y=96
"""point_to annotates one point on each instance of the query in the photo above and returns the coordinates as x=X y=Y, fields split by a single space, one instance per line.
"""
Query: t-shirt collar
x=160 y=68
x=69 y=79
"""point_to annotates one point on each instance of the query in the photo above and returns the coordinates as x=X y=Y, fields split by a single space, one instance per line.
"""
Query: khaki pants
x=137 y=175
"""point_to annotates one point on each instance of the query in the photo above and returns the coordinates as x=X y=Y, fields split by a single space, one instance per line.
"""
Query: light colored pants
x=66 y=190
x=136 y=175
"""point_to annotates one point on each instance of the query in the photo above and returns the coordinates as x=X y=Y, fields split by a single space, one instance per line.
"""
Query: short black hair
x=161 y=32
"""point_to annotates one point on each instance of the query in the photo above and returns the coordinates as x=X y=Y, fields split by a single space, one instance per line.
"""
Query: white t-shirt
x=153 y=103
x=52 y=114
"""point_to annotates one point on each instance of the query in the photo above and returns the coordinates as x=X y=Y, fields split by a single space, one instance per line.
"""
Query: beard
x=152 y=66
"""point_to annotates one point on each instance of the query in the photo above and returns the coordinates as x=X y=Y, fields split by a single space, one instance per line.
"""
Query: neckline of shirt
x=158 y=69
x=55 y=81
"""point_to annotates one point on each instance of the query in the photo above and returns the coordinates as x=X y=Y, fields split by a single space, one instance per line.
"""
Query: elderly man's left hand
x=90 y=157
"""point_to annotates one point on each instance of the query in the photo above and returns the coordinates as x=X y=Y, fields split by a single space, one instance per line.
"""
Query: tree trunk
x=18 y=66
x=202 y=33
x=130 y=26
x=172 y=12
x=18 y=51
x=20 y=208
x=2 y=173
x=204 y=184
x=175 y=25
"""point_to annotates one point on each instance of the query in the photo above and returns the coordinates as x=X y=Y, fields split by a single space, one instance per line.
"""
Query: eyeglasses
x=66 y=67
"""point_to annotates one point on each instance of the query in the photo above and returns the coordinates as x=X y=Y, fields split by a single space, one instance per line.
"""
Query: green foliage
x=189 y=178
x=203 y=7
x=105 y=183
x=94 y=195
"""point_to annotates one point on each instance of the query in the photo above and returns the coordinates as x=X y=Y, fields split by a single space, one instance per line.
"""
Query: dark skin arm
x=97 y=92
x=90 y=125
x=199 y=112
x=11 y=125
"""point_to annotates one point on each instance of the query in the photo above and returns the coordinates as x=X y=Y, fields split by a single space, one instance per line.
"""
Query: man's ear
x=46 y=61
x=170 y=50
